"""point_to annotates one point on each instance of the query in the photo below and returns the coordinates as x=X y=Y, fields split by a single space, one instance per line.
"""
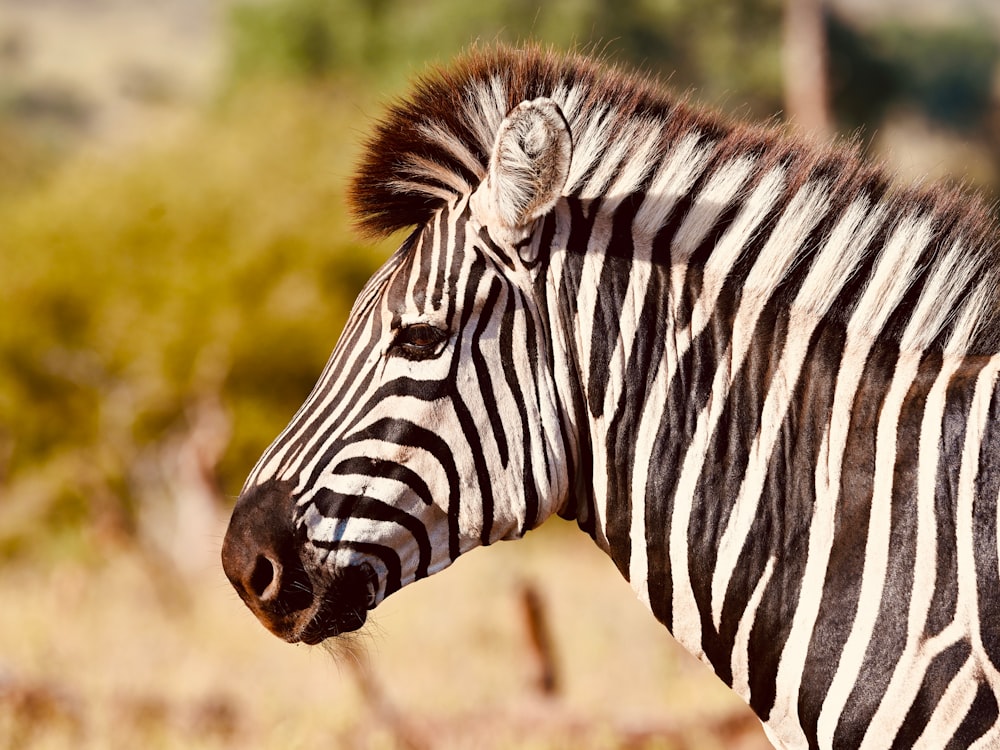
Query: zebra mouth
x=343 y=605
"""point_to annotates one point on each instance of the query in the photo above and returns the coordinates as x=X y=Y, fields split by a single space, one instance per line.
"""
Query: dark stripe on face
x=388 y=556
x=482 y=367
x=424 y=390
x=376 y=467
x=422 y=254
x=343 y=507
x=404 y=433
x=442 y=265
x=452 y=271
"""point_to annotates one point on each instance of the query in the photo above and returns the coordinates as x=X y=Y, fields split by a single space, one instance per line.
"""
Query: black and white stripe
x=759 y=375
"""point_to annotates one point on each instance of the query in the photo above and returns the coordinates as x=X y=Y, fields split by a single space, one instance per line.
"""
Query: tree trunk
x=805 y=72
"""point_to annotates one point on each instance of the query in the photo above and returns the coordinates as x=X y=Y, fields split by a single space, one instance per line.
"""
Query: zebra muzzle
x=262 y=557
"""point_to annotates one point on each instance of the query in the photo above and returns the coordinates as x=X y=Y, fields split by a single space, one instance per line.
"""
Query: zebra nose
x=264 y=580
x=261 y=559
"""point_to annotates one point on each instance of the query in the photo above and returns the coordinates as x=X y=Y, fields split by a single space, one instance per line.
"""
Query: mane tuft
x=436 y=143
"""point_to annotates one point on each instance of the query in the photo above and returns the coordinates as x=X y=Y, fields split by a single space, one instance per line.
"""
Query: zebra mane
x=435 y=146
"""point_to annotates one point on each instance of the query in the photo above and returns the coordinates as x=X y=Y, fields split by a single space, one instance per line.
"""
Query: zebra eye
x=418 y=341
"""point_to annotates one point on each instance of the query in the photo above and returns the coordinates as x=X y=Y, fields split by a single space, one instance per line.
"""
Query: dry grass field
x=119 y=654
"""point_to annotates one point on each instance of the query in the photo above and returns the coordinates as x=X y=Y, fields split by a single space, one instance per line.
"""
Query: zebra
x=757 y=372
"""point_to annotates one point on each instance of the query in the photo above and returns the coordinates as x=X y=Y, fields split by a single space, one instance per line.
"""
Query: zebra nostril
x=265 y=578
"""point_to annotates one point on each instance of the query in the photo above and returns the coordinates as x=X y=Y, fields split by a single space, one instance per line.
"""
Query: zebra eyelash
x=418 y=341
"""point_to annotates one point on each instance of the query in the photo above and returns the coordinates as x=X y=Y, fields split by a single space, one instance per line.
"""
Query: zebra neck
x=610 y=307
x=664 y=302
x=725 y=442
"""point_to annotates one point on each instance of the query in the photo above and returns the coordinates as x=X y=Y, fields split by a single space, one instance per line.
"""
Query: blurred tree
x=220 y=268
x=724 y=49
x=946 y=73
x=805 y=66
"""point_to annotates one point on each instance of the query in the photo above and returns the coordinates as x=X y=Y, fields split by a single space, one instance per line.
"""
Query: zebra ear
x=528 y=170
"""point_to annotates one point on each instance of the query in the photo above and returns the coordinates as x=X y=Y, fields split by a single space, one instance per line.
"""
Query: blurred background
x=175 y=266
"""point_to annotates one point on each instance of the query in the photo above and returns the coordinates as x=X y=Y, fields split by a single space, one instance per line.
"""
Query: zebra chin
x=262 y=557
x=342 y=607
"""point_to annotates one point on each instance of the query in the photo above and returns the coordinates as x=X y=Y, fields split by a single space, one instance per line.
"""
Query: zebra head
x=435 y=426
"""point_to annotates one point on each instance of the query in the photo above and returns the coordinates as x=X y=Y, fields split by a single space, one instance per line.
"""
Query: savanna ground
x=115 y=655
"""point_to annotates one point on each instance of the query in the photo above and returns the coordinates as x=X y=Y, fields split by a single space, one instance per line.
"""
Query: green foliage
x=222 y=264
x=721 y=48
x=950 y=70
x=300 y=38
x=945 y=73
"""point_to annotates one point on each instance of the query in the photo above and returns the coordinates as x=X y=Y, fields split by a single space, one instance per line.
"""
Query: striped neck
x=726 y=256
x=727 y=373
